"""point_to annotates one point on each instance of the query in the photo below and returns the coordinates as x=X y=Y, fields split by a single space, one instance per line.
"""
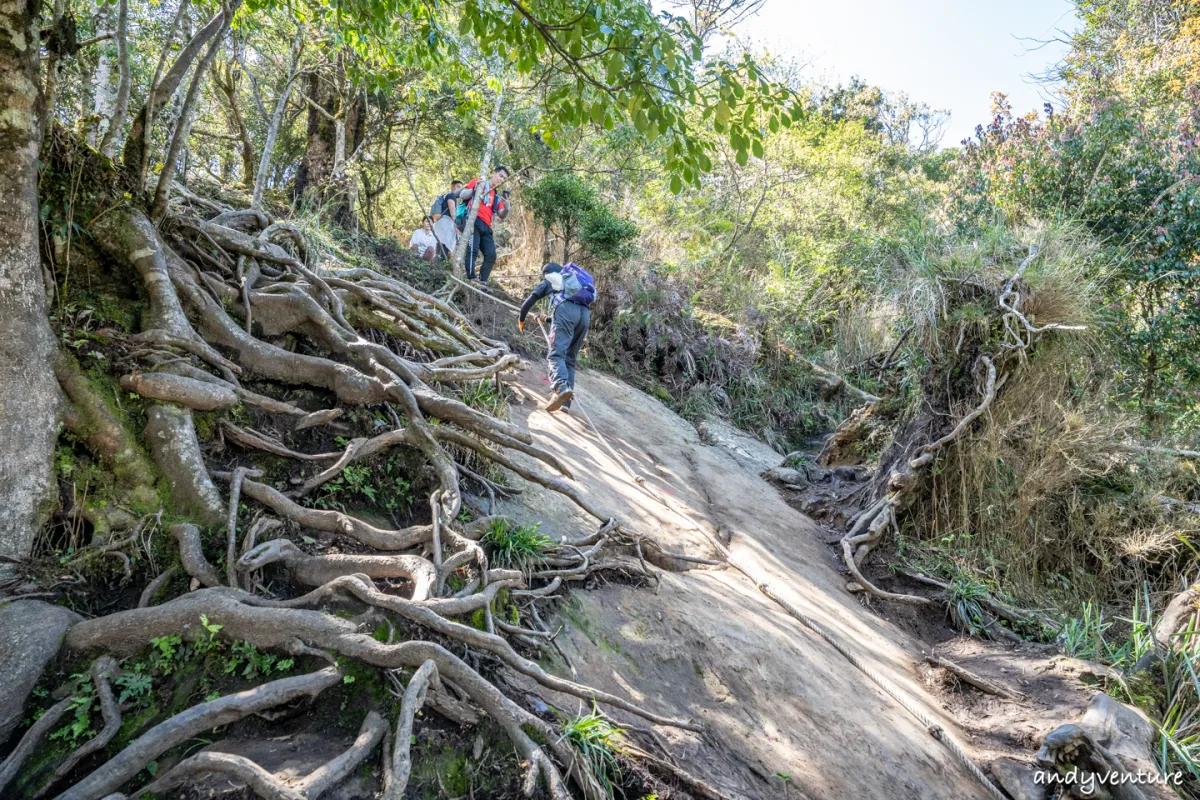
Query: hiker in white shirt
x=423 y=242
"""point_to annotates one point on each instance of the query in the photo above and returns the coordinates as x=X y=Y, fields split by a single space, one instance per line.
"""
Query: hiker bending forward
x=571 y=291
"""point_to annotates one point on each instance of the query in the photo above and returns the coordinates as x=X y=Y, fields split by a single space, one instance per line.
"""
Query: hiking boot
x=559 y=399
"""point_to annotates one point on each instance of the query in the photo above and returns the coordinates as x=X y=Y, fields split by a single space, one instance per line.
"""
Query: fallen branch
x=979 y=682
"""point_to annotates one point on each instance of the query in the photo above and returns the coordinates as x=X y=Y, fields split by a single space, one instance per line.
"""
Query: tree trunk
x=104 y=83
x=183 y=128
x=332 y=135
x=116 y=123
x=227 y=81
x=459 y=259
x=285 y=91
x=60 y=41
x=317 y=166
x=28 y=394
x=135 y=155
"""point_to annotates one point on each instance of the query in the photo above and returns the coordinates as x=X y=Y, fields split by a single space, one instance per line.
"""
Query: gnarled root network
x=225 y=292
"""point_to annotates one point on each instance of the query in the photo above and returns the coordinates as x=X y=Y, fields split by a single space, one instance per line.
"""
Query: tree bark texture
x=28 y=393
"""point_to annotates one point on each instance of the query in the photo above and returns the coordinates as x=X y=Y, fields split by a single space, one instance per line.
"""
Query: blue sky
x=951 y=55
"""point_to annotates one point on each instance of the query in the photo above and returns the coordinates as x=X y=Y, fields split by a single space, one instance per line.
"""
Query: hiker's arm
x=539 y=291
x=502 y=208
x=466 y=194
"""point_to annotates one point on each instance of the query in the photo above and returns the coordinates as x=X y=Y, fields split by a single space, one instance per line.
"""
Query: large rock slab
x=30 y=634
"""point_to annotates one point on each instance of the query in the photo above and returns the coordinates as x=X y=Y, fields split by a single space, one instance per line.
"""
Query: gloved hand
x=520 y=326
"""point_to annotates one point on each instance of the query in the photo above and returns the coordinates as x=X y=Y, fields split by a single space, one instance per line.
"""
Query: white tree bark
x=268 y=150
x=104 y=87
x=464 y=238
x=116 y=122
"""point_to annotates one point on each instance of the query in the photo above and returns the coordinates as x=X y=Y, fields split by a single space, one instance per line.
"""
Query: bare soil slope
x=773 y=696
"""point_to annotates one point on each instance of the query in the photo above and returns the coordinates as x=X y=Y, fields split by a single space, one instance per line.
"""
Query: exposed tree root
x=399 y=763
x=265 y=784
x=90 y=420
x=319 y=570
x=187 y=392
x=194 y=722
x=154 y=586
x=236 y=768
x=191 y=555
x=170 y=433
x=253 y=440
x=104 y=669
x=231 y=547
x=33 y=739
x=222 y=291
x=283 y=628
x=335 y=521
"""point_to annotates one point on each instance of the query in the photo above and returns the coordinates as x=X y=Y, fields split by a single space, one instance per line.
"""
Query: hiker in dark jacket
x=571 y=290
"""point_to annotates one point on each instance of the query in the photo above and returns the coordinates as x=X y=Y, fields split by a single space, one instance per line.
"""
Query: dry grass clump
x=1039 y=503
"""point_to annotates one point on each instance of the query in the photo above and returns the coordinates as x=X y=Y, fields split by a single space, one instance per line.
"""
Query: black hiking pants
x=567 y=331
x=482 y=242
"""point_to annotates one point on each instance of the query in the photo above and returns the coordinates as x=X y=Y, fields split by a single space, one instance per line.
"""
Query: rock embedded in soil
x=30 y=634
x=1123 y=730
x=1018 y=779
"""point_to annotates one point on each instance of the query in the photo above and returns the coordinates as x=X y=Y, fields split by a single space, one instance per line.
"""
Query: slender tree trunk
x=183 y=128
x=61 y=40
x=228 y=84
x=28 y=397
x=116 y=124
x=136 y=153
x=285 y=91
x=103 y=86
x=460 y=247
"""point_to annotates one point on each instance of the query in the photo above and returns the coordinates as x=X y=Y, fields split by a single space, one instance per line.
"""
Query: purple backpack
x=578 y=285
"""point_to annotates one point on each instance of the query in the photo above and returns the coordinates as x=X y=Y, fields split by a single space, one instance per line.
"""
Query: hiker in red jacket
x=492 y=205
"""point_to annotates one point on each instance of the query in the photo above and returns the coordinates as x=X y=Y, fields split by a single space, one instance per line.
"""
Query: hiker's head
x=427 y=223
x=552 y=272
x=456 y=186
x=499 y=174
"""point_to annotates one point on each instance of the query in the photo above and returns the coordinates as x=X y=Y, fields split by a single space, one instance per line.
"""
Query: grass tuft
x=515 y=547
x=597 y=740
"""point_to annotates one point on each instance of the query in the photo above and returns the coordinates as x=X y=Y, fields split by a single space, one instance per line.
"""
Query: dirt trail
x=773 y=696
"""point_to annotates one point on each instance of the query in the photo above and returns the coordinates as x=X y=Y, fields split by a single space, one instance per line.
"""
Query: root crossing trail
x=776 y=698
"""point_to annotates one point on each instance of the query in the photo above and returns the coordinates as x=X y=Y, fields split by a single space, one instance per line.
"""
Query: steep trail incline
x=773 y=696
